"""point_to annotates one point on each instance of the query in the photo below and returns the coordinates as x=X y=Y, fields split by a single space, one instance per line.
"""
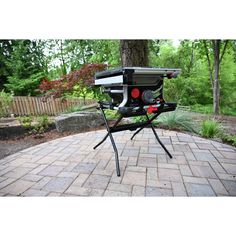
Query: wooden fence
x=38 y=106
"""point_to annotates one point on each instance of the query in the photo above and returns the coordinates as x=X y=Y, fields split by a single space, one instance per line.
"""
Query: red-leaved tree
x=81 y=80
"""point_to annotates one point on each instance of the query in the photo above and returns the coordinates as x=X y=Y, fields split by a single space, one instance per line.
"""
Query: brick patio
x=70 y=167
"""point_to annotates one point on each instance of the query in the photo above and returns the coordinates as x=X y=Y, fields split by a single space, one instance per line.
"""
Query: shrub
x=111 y=114
x=139 y=118
x=208 y=109
x=41 y=125
x=205 y=109
x=78 y=81
x=210 y=129
x=5 y=101
x=176 y=120
x=25 y=87
x=26 y=121
x=231 y=139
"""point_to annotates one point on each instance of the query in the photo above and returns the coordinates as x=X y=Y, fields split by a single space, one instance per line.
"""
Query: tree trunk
x=216 y=87
x=190 y=66
x=134 y=52
x=62 y=59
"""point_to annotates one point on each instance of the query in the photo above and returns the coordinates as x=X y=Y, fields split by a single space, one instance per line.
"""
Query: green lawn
x=208 y=109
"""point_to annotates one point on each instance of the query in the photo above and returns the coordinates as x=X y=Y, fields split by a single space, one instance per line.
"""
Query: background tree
x=215 y=49
x=23 y=64
x=5 y=53
x=106 y=51
x=134 y=52
x=77 y=82
x=26 y=70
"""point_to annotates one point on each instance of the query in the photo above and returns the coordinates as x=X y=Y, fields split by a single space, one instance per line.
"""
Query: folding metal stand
x=131 y=127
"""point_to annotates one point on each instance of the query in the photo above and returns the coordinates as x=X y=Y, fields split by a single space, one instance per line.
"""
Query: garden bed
x=13 y=142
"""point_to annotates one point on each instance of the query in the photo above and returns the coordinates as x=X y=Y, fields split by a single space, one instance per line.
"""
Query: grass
x=210 y=129
x=181 y=120
x=208 y=109
x=177 y=120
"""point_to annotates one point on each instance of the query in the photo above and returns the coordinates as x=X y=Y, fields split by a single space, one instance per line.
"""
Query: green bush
x=210 y=129
x=171 y=120
x=111 y=114
x=24 y=87
x=176 y=120
x=25 y=121
x=231 y=139
x=208 y=109
x=5 y=101
x=41 y=125
x=205 y=109
x=139 y=118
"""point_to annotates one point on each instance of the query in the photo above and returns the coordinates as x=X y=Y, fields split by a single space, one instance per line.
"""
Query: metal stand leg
x=140 y=125
x=158 y=139
x=112 y=141
x=117 y=122
x=136 y=133
x=148 y=122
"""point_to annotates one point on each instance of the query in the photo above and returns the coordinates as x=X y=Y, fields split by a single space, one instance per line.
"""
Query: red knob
x=135 y=93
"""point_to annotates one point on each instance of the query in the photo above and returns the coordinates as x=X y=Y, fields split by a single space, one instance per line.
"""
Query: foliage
x=70 y=55
x=24 y=63
x=210 y=129
x=231 y=139
x=208 y=109
x=176 y=120
x=105 y=51
x=41 y=126
x=5 y=102
x=25 y=121
x=171 y=120
x=228 y=82
x=205 y=109
x=36 y=125
x=73 y=109
x=78 y=81
x=194 y=85
x=25 y=87
x=111 y=114
x=5 y=52
x=23 y=66
x=139 y=119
